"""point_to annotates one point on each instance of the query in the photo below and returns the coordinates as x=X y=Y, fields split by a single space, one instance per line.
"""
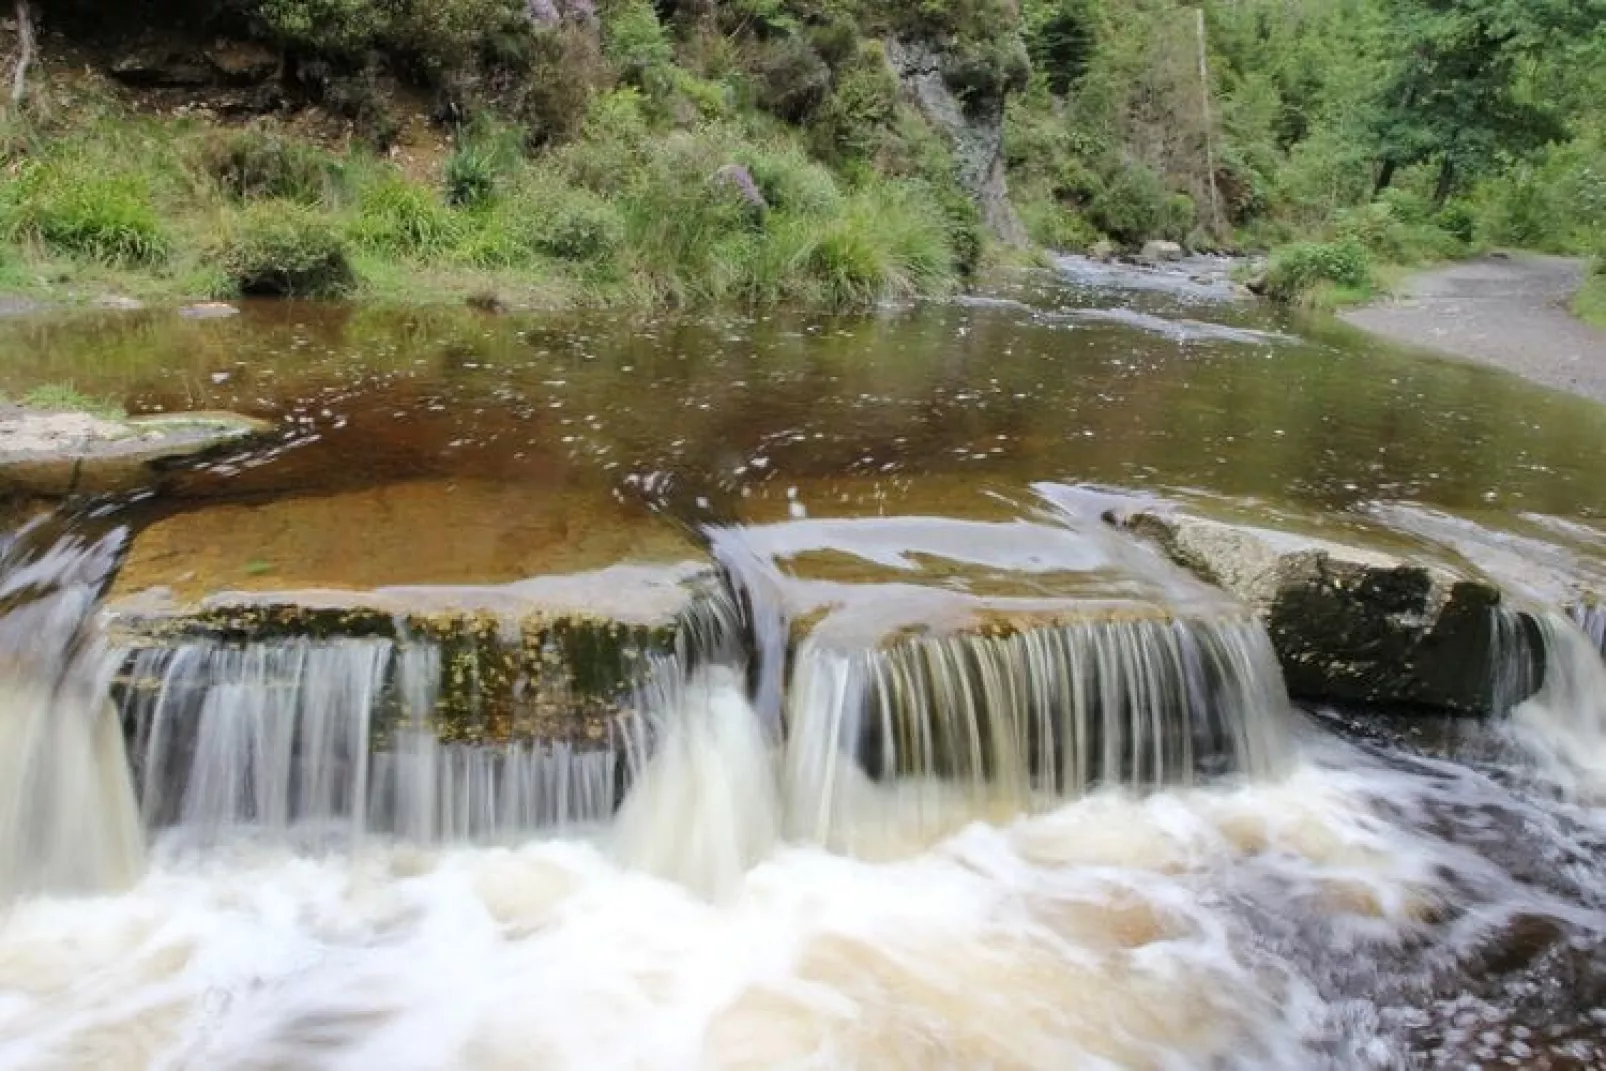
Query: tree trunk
x=1446 y=183
x=1385 y=176
x=19 y=77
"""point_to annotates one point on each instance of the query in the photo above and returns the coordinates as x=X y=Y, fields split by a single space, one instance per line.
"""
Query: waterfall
x=1591 y=618
x=335 y=740
x=68 y=821
x=1006 y=723
x=1563 y=725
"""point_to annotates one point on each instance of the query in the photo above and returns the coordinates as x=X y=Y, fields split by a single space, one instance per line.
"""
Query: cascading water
x=68 y=821
x=1015 y=723
x=1592 y=619
x=336 y=739
x=1562 y=725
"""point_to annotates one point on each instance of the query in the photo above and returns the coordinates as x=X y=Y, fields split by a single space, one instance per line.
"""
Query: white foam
x=1102 y=934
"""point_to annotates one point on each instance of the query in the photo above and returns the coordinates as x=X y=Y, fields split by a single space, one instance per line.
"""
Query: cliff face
x=975 y=127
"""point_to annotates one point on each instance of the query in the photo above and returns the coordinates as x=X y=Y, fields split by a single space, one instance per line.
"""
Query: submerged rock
x=63 y=453
x=1349 y=624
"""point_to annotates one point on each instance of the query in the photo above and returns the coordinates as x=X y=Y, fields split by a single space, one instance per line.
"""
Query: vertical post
x=1216 y=222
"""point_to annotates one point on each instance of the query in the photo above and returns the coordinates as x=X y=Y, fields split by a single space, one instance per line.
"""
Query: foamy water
x=1200 y=928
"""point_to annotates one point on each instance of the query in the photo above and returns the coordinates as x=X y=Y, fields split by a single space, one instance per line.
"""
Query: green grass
x=1590 y=304
x=63 y=397
x=638 y=210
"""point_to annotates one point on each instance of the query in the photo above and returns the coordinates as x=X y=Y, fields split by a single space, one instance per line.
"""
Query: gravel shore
x=1505 y=311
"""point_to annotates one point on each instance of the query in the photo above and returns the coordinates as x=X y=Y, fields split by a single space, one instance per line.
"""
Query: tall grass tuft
x=85 y=213
x=399 y=218
x=255 y=164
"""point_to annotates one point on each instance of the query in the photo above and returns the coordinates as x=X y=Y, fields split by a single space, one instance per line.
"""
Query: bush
x=855 y=120
x=1130 y=205
x=790 y=79
x=283 y=249
x=253 y=164
x=634 y=41
x=1299 y=269
x=469 y=177
x=790 y=181
x=74 y=208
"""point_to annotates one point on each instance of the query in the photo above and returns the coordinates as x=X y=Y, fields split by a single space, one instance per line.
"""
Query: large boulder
x=1349 y=623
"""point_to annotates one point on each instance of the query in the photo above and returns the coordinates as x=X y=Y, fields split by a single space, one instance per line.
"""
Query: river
x=825 y=830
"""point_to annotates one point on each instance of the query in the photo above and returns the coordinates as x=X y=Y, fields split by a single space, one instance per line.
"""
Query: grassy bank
x=627 y=213
x=1590 y=304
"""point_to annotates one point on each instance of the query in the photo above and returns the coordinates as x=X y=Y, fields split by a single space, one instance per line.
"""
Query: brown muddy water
x=1098 y=837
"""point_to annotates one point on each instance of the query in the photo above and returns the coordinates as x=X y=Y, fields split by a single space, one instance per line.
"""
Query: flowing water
x=939 y=771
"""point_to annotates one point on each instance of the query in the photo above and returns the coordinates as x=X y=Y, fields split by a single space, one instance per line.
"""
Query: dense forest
x=825 y=151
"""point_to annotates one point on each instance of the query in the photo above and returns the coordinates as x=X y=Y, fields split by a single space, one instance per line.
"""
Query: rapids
x=938 y=772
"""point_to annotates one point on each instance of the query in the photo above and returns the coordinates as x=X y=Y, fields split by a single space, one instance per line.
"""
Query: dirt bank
x=1509 y=312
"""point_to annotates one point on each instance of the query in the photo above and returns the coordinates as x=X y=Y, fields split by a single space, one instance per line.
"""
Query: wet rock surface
x=63 y=453
x=549 y=659
x=1349 y=623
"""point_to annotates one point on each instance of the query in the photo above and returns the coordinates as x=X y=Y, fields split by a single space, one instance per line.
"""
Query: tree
x=1458 y=96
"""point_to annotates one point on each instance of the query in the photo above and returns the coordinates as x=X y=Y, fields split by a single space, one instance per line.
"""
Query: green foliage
x=856 y=119
x=791 y=80
x=64 y=397
x=1298 y=269
x=399 y=218
x=1061 y=36
x=1132 y=204
x=77 y=208
x=635 y=42
x=249 y=164
x=484 y=153
x=1590 y=304
x=284 y=249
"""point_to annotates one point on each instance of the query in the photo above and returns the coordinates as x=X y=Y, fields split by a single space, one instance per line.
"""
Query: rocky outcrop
x=62 y=453
x=551 y=658
x=1351 y=624
x=974 y=128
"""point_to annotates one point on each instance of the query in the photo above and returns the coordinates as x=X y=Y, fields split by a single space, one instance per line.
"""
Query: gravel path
x=1509 y=312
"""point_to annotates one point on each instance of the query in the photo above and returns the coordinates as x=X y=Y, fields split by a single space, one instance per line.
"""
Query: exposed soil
x=1506 y=311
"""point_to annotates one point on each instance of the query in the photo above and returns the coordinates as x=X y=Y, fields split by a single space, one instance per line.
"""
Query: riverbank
x=1509 y=312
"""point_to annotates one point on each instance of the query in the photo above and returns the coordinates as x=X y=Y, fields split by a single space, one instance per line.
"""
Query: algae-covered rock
x=1348 y=623
x=551 y=658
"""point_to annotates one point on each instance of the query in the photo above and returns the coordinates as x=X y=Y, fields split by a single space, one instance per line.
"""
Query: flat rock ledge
x=1353 y=624
x=63 y=453
x=550 y=658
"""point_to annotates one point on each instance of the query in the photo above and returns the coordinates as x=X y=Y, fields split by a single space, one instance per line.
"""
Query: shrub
x=1299 y=269
x=252 y=164
x=283 y=249
x=855 y=120
x=790 y=79
x=76 y=209
x=401 y=218
x=790 y=181
x=634 y=41
x=891 y=241
x=1129 y=205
